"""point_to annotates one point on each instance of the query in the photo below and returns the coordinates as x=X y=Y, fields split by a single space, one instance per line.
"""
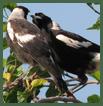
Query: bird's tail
x=95 y=64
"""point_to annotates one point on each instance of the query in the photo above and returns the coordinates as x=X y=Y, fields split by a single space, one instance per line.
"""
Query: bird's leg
x=83 y=78
x=55 y=72
x=69 y=94
x=63 y=87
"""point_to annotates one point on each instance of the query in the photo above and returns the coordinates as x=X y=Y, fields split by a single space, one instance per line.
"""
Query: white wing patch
x=10 y=31
x=73 y=43
x=20 y=38
x=24 y=38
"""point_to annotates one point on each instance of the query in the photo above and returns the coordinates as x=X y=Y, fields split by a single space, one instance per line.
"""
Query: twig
x=79 y=88
x=57 y=98
x=72 y=78
x=82 y=86
x=90 y=5
x=75 y=87
x=11 y=85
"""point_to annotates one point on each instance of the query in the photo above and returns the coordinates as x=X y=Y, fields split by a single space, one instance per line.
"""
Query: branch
x=9 y=86
x=57 y=98
x=18 y=81
x=90 y=5
x=72 y=78
x=80 y=86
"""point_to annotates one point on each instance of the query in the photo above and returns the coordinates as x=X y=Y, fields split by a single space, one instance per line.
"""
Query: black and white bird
x=77 y=55
x=30 y=45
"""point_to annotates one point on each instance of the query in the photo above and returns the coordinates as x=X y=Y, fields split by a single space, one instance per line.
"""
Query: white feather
x=20 y=38
x=55 y=26
x=24 y=38
x=17 y=13
x=96 y=57
x=10 y=31
x=71 y=42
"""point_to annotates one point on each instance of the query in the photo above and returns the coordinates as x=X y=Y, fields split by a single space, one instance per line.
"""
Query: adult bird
x=30 y=46
x=77 y=55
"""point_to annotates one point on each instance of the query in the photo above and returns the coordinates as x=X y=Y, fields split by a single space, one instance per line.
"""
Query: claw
x=69 y=94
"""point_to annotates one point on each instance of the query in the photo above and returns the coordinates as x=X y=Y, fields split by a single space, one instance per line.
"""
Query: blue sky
x=74 y=17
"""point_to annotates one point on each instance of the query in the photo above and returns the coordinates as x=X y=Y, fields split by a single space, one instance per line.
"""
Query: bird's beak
x=32 y=16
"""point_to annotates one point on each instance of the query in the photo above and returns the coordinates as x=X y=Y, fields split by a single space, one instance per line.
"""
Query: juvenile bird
x=30 y=45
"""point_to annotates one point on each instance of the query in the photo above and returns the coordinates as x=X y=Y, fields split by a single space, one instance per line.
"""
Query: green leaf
x=11 y=96
x=4 y=26
x=95 y=26
x=96 y=75
x=33 y=70
x=93 y=99
x=7 y=76
x=10 y=68
x=43 y=74
x=5 y=43
x=9 y=6
x=52 y=91
x=19 y=71
x=12 y=60
x=38 y=82
x=4 y=62
x=22 y=96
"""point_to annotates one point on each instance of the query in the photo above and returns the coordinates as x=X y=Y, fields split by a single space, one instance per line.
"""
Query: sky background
x=73 y=17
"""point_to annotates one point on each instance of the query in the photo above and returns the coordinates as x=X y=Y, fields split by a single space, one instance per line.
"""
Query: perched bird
x=30 y=46
x=77 y=55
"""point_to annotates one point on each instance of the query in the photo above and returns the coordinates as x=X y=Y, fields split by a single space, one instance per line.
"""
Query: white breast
x=19 y=38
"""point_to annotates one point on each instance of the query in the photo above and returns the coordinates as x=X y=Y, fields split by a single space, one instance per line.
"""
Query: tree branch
x=80 y=86
x=57 y=98
x=9 y=86
x=90 y=5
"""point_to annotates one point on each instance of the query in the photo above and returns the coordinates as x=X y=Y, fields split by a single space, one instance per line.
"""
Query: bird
x=77 y=55
x=30 y=46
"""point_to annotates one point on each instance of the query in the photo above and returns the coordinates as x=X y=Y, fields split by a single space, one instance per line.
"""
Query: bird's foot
x=70 y=95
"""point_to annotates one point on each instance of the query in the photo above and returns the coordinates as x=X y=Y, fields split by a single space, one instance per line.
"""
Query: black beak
x=32 y=16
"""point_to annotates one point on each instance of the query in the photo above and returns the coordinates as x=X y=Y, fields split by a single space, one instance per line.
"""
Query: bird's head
x=19 y=12
x=42 y=21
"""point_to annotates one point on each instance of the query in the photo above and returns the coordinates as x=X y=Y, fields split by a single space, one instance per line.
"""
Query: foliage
x=93 y=99
x=96 y=75
x=24 y=86
x=9 y=6
x=95 y=26
x=4 y=26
